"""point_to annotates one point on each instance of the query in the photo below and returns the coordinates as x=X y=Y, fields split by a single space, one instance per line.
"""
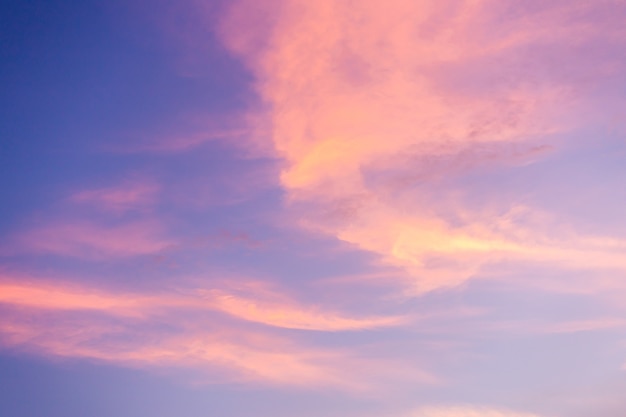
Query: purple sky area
x=330 y=208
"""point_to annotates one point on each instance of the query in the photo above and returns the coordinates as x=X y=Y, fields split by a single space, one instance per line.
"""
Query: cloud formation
x=376 y=112
x=326 y=240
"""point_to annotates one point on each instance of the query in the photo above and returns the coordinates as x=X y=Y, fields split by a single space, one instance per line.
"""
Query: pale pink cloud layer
x=372 y=106
x=219 y=353
x=74 y=321
x=278 y=311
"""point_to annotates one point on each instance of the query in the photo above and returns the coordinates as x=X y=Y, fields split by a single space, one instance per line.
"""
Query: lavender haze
x=330 y=208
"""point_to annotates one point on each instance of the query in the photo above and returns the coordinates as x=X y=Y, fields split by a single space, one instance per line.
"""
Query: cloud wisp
x=184 y=329
x=128 y=196
x=467 y=411
x=92 y=240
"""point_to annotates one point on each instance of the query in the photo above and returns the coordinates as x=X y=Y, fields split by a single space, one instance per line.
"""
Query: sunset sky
x=313 y=208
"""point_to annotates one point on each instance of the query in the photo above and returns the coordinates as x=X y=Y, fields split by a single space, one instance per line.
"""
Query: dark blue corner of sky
x=76 y=75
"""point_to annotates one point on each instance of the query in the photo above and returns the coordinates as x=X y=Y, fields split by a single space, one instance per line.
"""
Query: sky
x=330 y=208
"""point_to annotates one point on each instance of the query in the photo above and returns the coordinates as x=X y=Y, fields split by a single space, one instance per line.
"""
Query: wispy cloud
x=276 y=310
x=181 y=328
x=130 y=195
x=182 y=142
x=91 y=240
x=258 y=305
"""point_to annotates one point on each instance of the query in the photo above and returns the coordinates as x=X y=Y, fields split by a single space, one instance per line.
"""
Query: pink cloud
x=257 y=304
x=361 y=98
x=126 y=328
x=273 y=309
x=234 y=355
x=130 y=195
x=53 y=297
x=90 y=240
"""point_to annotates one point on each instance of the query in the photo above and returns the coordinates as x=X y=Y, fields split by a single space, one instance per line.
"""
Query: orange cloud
x=361 y=95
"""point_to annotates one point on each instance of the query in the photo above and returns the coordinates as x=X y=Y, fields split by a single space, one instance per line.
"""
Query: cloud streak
x=468 y=411
x=259 y=305
x=185 y=329
x=130 y=195
x=92 y=240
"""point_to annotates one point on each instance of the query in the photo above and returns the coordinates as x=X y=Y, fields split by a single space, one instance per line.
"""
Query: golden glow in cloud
x=371 y=104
